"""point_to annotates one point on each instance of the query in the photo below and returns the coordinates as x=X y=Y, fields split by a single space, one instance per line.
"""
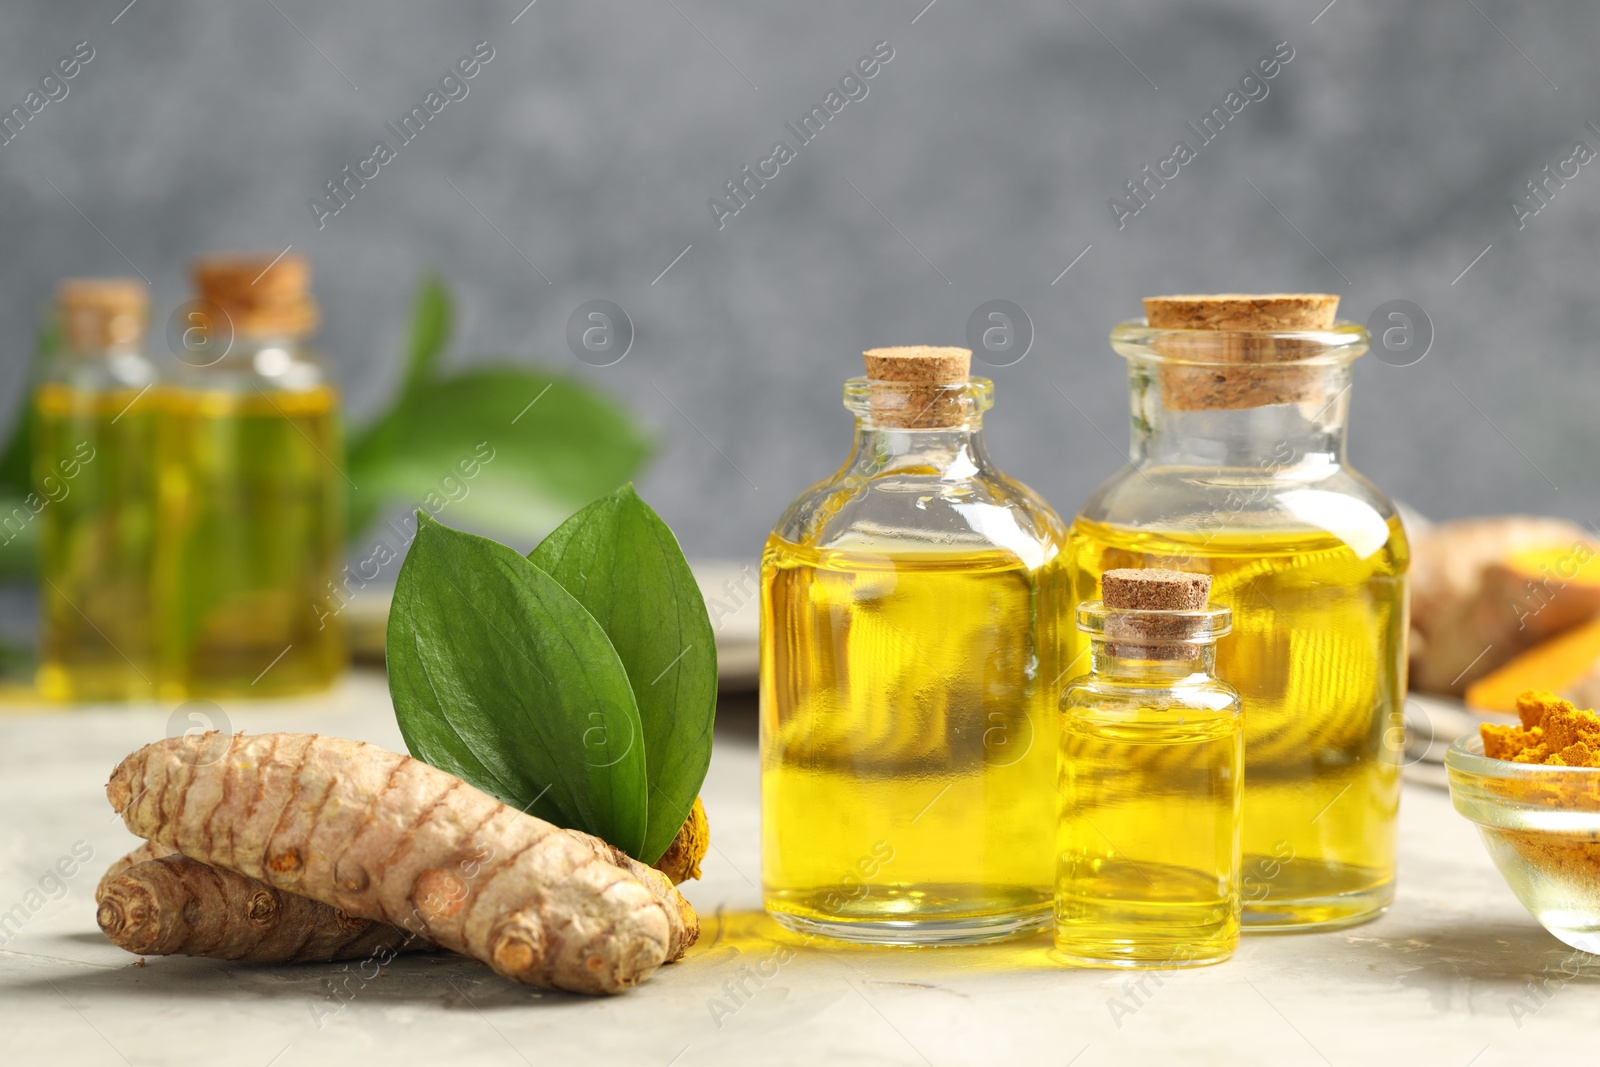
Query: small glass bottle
x=252 y=491
x=94 y=497
x=1237 y=469
x=1152 y=750
x=909 y=644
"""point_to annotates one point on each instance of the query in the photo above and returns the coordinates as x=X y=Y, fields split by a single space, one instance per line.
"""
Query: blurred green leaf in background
x=554 y=444
x=19 y=557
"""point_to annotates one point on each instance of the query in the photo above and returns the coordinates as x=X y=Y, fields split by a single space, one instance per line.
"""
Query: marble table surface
x=1455 y=974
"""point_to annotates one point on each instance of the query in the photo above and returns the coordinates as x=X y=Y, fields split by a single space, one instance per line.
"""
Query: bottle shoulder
x=922 y=508
x=1334 y=499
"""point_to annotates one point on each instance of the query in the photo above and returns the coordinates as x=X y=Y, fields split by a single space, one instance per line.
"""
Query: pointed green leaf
x=624 y=565
x=431 y=319
x=500 y=677
x=432 y=314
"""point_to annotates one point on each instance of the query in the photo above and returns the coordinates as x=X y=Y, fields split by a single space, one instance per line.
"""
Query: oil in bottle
x=252 y=494
x=94 y=498
x=903 y=738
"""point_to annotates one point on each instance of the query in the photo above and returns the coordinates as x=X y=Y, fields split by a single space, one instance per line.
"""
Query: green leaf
x=500 y=677
x=544 y=445
x=19 y=556
x=624 y=565
x=431 y=319
x=16 y=462
x=19 y=551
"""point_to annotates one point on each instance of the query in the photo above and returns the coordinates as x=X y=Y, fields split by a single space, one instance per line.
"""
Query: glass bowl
x=1542 y=828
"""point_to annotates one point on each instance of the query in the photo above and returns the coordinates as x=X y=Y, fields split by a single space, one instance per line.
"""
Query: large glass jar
x=911 y=637
x=1237 y=469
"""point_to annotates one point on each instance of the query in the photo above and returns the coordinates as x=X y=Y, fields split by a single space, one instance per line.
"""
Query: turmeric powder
x=1552 y=732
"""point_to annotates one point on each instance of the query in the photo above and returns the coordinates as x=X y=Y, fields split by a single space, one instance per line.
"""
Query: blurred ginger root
x=1483 y=591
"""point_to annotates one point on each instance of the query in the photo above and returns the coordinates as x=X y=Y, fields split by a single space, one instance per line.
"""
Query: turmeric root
x=1564 y=664
x=175 y=905
x=386 y=837
x=688 y=848
x=143 y=854
x=1484 y=590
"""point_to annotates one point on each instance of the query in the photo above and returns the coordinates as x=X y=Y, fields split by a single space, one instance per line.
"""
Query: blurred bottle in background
x=251 y=490
x=95 y=413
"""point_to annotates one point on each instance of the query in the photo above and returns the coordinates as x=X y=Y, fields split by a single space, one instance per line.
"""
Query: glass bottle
x=1237 y=469
x=909 y=645
x=1151 y=770
x=94 y=497
x=252 y=491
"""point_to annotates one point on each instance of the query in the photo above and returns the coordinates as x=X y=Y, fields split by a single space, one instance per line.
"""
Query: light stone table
x=1455 y=974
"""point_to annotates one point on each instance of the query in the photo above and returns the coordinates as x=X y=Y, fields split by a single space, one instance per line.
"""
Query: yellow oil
x=1317 y=656
x=252 y=514
x=1148 y=839
x=94 y=478
x=908 y=749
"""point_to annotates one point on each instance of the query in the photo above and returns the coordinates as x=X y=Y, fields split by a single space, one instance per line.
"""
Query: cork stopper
x=1243 y=311
x=263 y=295
x=1136 y=601
x=101 y=313
x=1135 y=589
x=1240 y=320
x=918 y=386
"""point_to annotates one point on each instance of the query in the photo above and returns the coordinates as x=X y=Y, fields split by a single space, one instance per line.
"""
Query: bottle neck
x=956 y=452
x=268 y=359
x=113 y=367
x=1200 y=663
x=918 y=426
x=1308 y=434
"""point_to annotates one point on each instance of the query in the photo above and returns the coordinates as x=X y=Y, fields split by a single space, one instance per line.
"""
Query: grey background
x=990 y=144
